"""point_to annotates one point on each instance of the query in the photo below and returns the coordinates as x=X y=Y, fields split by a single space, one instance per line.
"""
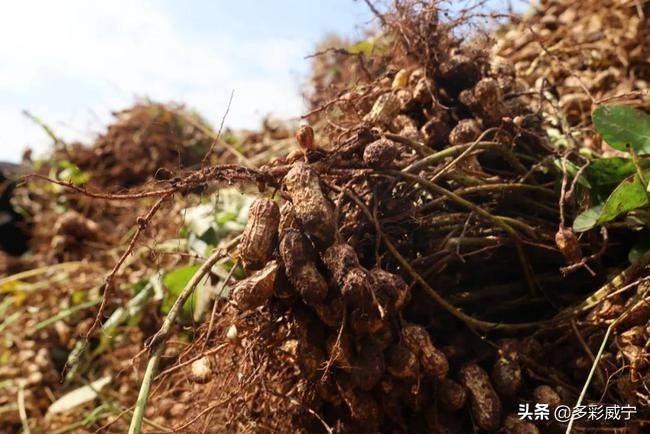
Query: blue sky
x=71 y=62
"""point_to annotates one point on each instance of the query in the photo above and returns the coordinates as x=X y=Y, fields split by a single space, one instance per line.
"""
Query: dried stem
x=453 y=310
x=530 y=278
x=143 y=222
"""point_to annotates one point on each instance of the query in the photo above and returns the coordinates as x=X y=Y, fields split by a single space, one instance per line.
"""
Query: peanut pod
x=343 y=263
x=385 y=108
x=368 y=365
x=301 y=270
x=340 y=350
x=380 y=153
x=201 y=370
x=363 y=322
x=256 y=289
x=312 y=209
x=402 y=363
x=433 y=362
x=441 y=422
x=451 y=395
x=330 y=312
x=514 y=425
x=339 y=259
x=287 y=219
x=362 y=405
x=545 y=394
x=310 y=358
x=390 y=395
x=485 y=403
x=506 y=376
x=256 y=246
x=392 y=285
x=327 y=390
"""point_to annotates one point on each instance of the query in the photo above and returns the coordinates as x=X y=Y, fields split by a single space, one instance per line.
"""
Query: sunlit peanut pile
x=366 y=364
x=419 y=205
x=329 y=286
x=435 y=152
x=378 y=358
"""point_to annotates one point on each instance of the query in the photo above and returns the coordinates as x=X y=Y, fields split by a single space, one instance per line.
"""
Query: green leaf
x=587 y=219
x=622 y=125
x=175 y=282
x=608 y=171
x=630 y=194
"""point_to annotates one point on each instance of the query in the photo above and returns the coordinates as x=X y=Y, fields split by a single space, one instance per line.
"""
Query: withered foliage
x=145 y=140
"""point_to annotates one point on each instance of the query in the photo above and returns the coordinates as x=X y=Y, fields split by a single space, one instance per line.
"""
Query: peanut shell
x=485 y=403
x=256 y=289
x=256 y=246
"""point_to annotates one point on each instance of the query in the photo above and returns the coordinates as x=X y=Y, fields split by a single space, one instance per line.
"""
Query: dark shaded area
x=13 y=234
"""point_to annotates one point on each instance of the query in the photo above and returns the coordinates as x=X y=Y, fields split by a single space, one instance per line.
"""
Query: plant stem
x=451 y=151
x=639 y=295
x=143 y=395
x=159 y=339
x=63 y=314
x=609 y=287
x=21 y=408
x=530 y=278
x=453 y=310
x=420 y=147
x=36 y=271
x=216 y=302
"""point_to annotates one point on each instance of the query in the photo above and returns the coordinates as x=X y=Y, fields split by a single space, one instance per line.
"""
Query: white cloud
x=71 y=62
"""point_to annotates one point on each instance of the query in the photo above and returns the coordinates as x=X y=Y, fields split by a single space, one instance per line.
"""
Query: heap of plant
x=425 y=261
x=579 y=54
x=418 y=253
x=146 y=139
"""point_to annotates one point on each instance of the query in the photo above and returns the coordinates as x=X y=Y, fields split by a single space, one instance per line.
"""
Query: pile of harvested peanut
x=411 y=267
x=379 y=355
x=418 y=253
x=576 y=54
